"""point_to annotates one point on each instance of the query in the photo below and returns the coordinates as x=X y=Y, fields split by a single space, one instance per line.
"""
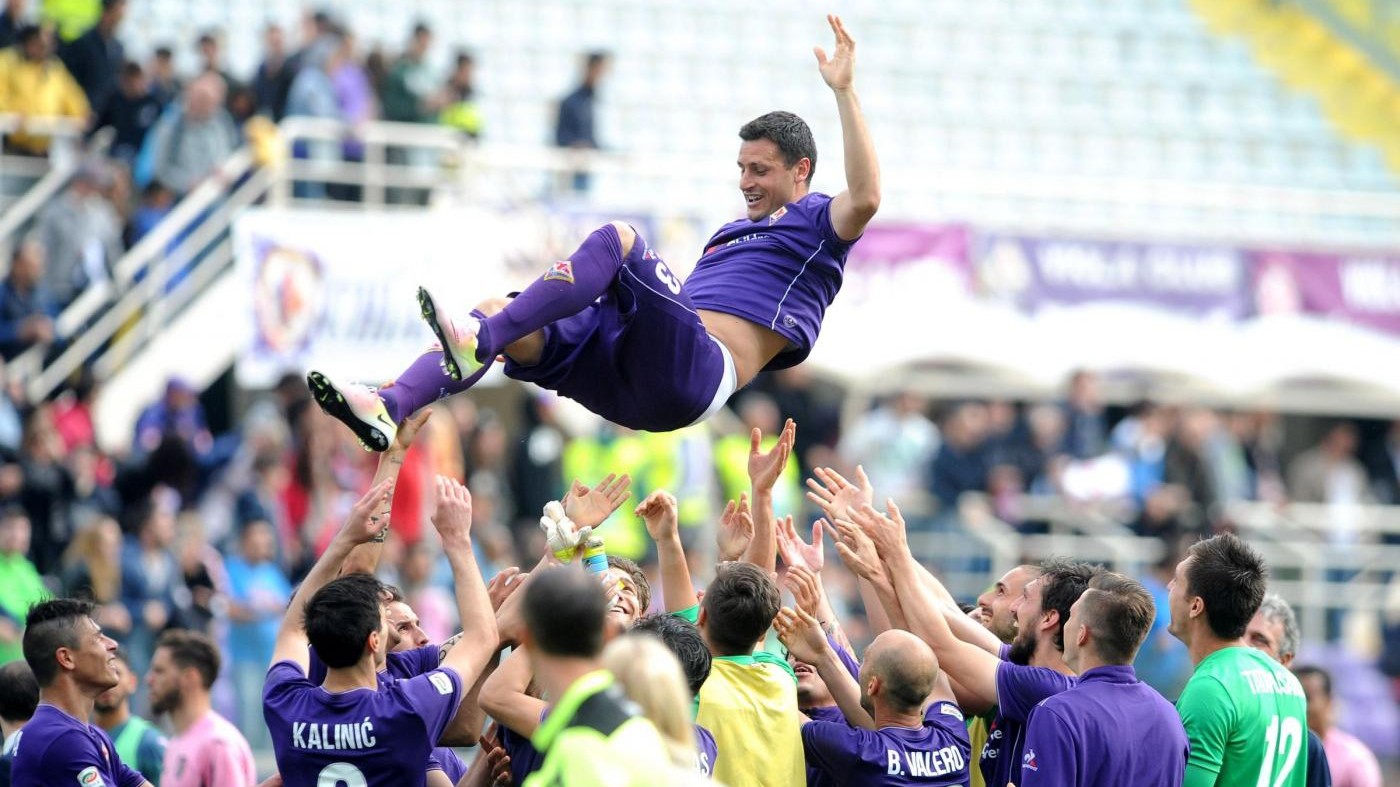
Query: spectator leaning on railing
x=34 y=83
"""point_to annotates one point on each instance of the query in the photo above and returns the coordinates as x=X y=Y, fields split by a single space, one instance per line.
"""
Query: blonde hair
x=103 y=569
x=650 y=676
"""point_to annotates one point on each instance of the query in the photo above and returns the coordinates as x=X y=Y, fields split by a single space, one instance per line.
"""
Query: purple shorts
x=638 y=356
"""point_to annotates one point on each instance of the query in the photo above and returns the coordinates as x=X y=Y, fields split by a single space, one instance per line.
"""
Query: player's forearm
x=862 y=167
x=826 y=616
x=971 y=666
x=677 y=591
x=469 y=657
x=466 y=726
x=504 y=696
x=843 y=689
x=881 y=605
x=970 y=631
x=364 y=558
x=763 y=549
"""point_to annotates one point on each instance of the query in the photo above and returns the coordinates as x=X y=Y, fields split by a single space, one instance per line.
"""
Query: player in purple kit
x=614 y=329
x=73 y=662
x=1111 y=728
x=1036 y=668
x=353 y=729
x=905 y=728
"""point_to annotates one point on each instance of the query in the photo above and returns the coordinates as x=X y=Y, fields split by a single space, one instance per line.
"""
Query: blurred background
x=1135 y=279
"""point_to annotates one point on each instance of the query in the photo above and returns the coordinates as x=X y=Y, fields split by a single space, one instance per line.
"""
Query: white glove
x=560 y=533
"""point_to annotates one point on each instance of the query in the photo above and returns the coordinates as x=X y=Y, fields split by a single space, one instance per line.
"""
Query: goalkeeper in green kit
x=1244 y=713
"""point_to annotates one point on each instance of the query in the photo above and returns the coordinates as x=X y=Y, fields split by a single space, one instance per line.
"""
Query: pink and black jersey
x=364 y=736
x=781 y=272
x=55 y=748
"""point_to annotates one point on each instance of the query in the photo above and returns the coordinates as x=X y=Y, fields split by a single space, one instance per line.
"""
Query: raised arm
x=735 y=531
x=505 y=695
x=969 y=667
x=857 y=551
x=803 y=637
x=359 y=528
x=364 y=559
x=765 y=468
x=453 y=520
x=660 y=514
x=853 y=208
x=807 y=590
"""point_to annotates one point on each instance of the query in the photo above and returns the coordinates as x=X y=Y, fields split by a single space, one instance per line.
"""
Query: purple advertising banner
x=1040 y=272
x=928 y=261
x=1363 y=289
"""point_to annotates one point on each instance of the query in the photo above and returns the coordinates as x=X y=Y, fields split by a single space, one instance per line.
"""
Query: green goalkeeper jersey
x=1247 y=721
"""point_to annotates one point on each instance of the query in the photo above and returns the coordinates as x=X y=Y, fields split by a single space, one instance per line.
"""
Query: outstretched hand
x=801 y=634
x=885 y=530
x=735 y=529
x=409 y=429
x=834 y=494
x=857 y=551
x=838 y=70
x=589 y=507
x=453 y=516
x=370 y=514
x=796 y=552
x=766 y=467
x=806 y=589
x=660 y=514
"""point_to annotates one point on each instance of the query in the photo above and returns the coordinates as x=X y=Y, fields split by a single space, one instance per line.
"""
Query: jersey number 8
x=668 y=278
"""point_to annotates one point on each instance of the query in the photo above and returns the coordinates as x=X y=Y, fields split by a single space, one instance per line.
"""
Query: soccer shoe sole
x=332 y=402
x=450 y=363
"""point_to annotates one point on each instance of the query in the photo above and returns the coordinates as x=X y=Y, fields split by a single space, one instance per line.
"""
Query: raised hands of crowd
x=796 y=552
x=766 y=467
x=830 y=491
x=590 y=506
x=735 y=530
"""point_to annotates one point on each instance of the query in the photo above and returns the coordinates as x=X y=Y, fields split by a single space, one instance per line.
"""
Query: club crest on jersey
x=91 y=777
x=777 y=214
x=562 y=270
x=1028 y=761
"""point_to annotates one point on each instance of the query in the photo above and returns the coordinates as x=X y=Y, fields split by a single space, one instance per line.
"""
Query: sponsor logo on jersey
x=1028 y=761
x=441 y=682
x=90 y=777
x=562 y=270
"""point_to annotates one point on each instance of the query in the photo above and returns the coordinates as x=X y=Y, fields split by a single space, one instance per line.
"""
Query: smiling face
x=626 y=606
x=112 y=699
x=995 y=604
x=95 y=662
x=1026 y=609
x=766 y=181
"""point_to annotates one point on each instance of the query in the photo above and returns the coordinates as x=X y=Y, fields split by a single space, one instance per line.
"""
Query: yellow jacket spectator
x=34 y=83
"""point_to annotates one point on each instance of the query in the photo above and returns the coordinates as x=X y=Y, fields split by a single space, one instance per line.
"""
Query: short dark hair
x=564 y=611
x=51 y=625
x=19 y=692
x=682 y=638
x=739 y=605
x=1062 y=582
x=342 y=615
x=28 y=33
x=465 y=58
x=596 y=58
x=1310 y=670
x=1231 y=579
x=1120 y=611
x=392 y=594
x=164 y=52
x=789 y=132
x=193 y=649
x=639 y=578
x=131 y=68
x=421 y=28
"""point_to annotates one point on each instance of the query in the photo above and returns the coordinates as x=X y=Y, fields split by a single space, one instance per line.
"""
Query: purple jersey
x=815 y=776
x=446 y=760
x=781 y=272
x=1077 y=737
x=364 y=736
x=709 y=752
x=525 y=759
x=55 y=748
x=399 y=665
x=936 y=753
x=1019 y=689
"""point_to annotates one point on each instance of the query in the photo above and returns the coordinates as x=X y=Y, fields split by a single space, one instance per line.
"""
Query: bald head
x=905 y=668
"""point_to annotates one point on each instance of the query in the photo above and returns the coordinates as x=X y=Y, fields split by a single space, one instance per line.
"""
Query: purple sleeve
x=847 y=658
x=832 y=748
x=828 y=232
x=1004 y=652
x=282 y=677
x=412 y=663
x=315 y=668
x=434 y=696
x=1050 y=757
x=1020 y=688
x=946 y=716
x=446 y=760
